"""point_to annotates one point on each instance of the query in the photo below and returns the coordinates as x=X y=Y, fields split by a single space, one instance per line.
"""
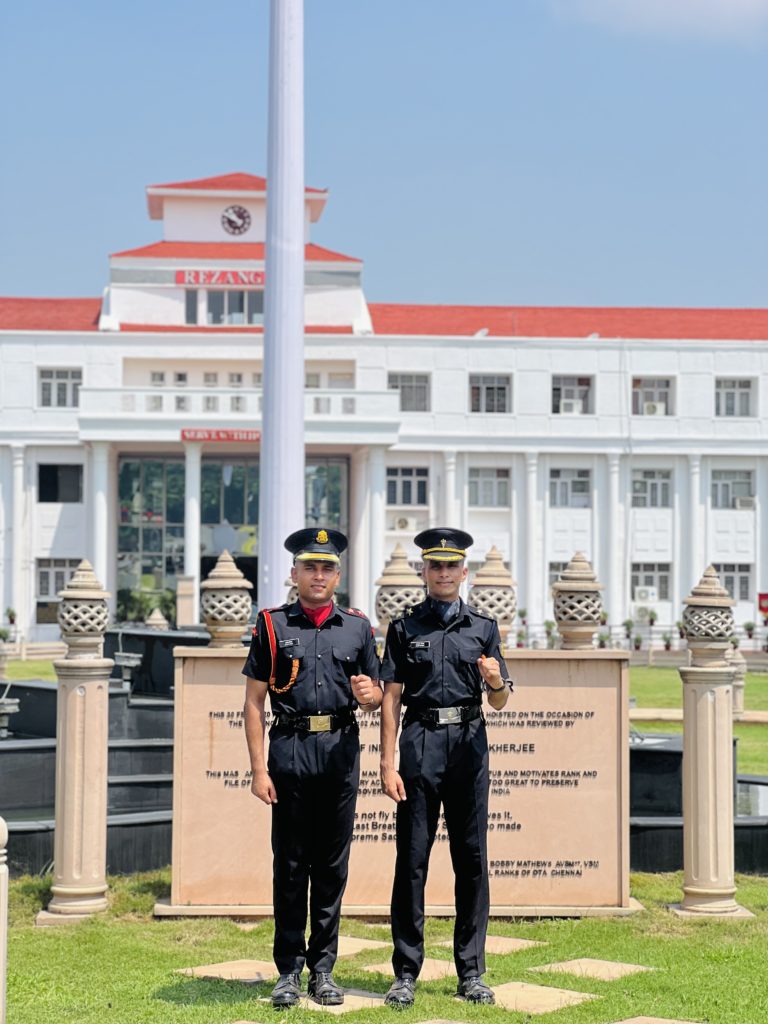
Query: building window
x=59 y=483
x=190 y=306
x=154 y=403
x=52 y=574
x=235 y=307
x=407 y=485
x=489 y=393
x=737 y=579
x=555 y=568
x=570 y=488
x=311 y=379
x=157 y=378
x=180 y=379
x=651 y=396
x=414 y=390
x=256 y=379
x=210 y=403
x=732 y=488
x=182 y=403
x=235 y=380
x=237 y=403
x=211 y=379
x=733 y=397
x=571 y=395
x=489 y=488
x=651 y=488
x=655 y=575
x=59 y=389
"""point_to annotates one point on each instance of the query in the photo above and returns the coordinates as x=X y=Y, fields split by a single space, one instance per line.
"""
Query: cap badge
x=322 y=537
x=443 y=542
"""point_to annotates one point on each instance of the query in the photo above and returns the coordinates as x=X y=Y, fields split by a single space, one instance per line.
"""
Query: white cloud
x=718 y=18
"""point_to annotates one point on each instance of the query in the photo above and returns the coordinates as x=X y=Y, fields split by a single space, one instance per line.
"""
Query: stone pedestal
x=577 y=604
x=400 y=587
x=82 y=728
x=708 y=856
x=493 y=592
x=738 y=663
x=226 y=603
x=3 y=914
x=156 y=620
x=186 y=612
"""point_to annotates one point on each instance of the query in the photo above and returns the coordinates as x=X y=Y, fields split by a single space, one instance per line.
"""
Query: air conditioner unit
x=406 y=523
x=571 y=405
x=654 y=408
x=646 y=595
x=743 y=502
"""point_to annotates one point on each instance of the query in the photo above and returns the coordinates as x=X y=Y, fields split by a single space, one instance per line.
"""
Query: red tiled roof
x=243 y=329
x=225 y=251
x=49 y=314
x=239 y=181
x=570 y=322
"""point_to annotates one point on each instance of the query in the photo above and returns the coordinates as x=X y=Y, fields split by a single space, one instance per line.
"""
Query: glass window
x=651 y=396
x=129 y=491
x=210 y=493
x=211 y=379
x=216 y=307
x=414 y=390
x=235 y=380
x=571 y=395
x=489 y=488
x=59 y=389
x=190 y=306
x=570 y=488
x=407 y=485
x=237 y=403
x=181 y=403
x=180 y=378
x=554 y=570
x=255 y=307
x=311 y=379
x=733 y=397
x=233 y=478
x=732 y=488
x=59 y=483
x=489 y=393
x=651 y=574
x=235 y=307
x=736 y=577
x=651 y=488
x=210 y=403
x=174 y=492
x=157 y=378
x=52 y=575
x=256 y=380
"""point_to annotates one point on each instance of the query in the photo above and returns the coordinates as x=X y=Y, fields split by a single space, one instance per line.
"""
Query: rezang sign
x=206 y=434
x=222 y=278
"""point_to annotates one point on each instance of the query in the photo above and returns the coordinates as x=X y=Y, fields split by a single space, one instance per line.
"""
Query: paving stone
x=525 y=998
x=348 y=945
x=354 y=999
x=250 y=972
x=431 y=970
x=585 y=967
x=499 y=944
x=653 y=1020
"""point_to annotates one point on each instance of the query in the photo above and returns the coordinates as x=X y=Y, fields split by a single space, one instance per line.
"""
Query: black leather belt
x=444 y=716
x=316 y=723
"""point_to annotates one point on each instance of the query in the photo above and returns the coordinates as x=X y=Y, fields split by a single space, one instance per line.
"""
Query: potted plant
x=749 y=629
x=5 y=635
x=602 y=639
x=10 y=614
x=652 y=617
x=603 y=617
x=680 y=630
x=549 y=627
x=521 y=638
x=637 y=643
x=734 y=642
x=628 y=624
x=523 y=616
x=667 y=641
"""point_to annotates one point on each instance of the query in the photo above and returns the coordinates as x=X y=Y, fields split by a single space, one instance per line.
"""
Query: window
x=407 y=485
x=733 y=397
x=570 y=488
x=737 y=579
x=489 y=488
x=235 y=380
x=157 y=378
x=555 y=568
x=150 y=534
x=651 y=488
x=732 y=488
x=651 y=396
x=182 y=403
x=211 y=379
x=237 y=403
x=154 y=403
x=180 y=379
x=489 y=393
x=210 y=403
x=235 y=307
x=52 y=575
x=59 y=389
x=190 y=306
x=414 y=390
x=256 y=379
x=59 y=483
x=651 y=574
x=571 y=395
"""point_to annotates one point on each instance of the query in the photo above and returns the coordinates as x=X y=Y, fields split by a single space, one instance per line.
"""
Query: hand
x=263 y=787
x=362 y=689
x=490 y=671
x=392 y=785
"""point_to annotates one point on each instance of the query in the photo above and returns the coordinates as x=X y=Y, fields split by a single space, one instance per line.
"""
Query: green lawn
x=662 y=688
x=31 y=670
x=119 y=968
x=751 y=750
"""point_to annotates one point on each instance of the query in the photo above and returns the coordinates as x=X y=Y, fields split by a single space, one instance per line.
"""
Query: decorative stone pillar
x=187 y=611
x=738 y=663
x=577 y=604
x=400 y=587
x=156 y=620
x=708 y=857
x=226 y=602
x=82 y=728
x=3 y=914
x=493 y=591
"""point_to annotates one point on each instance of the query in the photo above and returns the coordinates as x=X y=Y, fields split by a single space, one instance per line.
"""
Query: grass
x=751 y=750
x=119 y=968
x=31 y=670
x=662 y=688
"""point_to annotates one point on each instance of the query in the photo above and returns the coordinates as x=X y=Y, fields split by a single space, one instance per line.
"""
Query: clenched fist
x=363 y=689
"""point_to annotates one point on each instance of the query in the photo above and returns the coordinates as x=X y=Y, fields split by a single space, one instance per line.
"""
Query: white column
x=536 y=612
x=359 y=560
x=449 y=489
x=192 y=461
x=377 y=483
x=696 y=559
x=99 y=553
x=616 y=567
x=281 y=491
x=19 y=543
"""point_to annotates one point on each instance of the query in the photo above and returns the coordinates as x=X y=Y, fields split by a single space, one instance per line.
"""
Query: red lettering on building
x=230 y=278
x=207 y=434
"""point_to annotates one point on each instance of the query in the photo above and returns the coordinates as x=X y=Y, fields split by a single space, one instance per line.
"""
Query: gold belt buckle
x=447 y=715
x=319 y=723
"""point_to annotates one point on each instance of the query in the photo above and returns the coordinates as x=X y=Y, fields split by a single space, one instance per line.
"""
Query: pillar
x=82 y=730
x=192 y=470
x=532 y=567
x=449 y=494
x=695 y=556
x=100 y=508
x=18 y=540
x=377 y=484
x=615 y=561
x=281 y=491
x=361 y=572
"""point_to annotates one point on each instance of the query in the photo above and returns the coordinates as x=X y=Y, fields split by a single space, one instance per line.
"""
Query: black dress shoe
x=287 y=991
x=324 y=990
x=474 y=990
x=402 y=993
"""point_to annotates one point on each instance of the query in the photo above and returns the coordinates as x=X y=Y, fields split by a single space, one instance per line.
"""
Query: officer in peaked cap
x=439 y=659
x=318 y=664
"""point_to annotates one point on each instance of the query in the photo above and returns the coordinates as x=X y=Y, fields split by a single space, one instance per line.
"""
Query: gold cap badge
x=322 y=537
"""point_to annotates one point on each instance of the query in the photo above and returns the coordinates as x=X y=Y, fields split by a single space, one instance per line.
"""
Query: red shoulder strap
x=272 y=645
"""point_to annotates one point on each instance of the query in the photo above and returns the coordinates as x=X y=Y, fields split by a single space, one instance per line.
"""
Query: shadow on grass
x=209 y=991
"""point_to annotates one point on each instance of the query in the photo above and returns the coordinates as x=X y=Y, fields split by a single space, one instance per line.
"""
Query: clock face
x=236 y=220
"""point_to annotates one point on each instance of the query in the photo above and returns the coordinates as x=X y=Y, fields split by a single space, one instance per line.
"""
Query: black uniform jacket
x=322 y=658
x=437 y=664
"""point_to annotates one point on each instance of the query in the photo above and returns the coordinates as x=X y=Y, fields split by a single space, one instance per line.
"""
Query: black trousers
x=445 y=765
x=316 y=778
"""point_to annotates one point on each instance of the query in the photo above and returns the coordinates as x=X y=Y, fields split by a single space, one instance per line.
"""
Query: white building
x=129 y=429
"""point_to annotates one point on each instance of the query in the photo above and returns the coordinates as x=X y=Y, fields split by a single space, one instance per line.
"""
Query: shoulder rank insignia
x=356 y=611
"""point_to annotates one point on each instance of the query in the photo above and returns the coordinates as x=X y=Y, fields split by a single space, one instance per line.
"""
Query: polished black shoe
x=474 y=990
x=324 y=990
x=287 y=991
x=402 y=993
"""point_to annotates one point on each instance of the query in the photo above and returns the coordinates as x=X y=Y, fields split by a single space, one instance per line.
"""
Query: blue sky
x=557 y=152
